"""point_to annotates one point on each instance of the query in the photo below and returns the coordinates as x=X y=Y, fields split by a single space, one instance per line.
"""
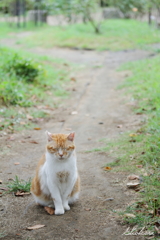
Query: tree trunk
x=149 y=15
x=36 y=13
x=24 y=12
x=18 y=12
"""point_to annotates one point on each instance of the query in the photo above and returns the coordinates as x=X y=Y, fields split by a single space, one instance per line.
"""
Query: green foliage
x=24 y=69
x=2 y=234
x=14 y=71
x=73 y=9
x=115 y=35
x=7 y=4
x=19 y=185
x=126 y=6
x=21 y=78
x=143 y=147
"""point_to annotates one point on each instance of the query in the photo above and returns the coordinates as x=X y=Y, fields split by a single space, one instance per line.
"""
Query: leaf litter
x=49 y=210
x=38 y=226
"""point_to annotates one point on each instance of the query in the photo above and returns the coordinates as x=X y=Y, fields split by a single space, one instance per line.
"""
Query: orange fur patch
x=76 y=187
x=35 y=185
x=60 y=141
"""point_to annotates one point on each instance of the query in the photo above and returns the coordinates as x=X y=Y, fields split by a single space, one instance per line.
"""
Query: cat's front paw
x=66 y=207
x=59 y=211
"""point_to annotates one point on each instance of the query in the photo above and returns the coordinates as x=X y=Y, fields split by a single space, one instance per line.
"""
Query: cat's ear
x=49 y=136
x=71 y=136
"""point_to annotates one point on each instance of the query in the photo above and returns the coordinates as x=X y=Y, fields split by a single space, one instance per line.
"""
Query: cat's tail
x=74 y=198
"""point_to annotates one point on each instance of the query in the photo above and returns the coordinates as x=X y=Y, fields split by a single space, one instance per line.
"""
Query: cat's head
x=60 y=145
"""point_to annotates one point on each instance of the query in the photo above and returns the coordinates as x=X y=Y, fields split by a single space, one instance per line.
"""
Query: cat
x=57 y=183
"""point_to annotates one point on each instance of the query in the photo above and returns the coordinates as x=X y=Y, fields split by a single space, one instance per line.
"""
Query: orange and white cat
x=57 y=182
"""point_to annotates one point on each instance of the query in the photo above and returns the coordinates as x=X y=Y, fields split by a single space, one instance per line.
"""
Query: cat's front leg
x=59 y=209
x=66 y=195
x=65 y=205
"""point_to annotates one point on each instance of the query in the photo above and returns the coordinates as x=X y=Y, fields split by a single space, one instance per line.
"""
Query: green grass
x=8 y=31
x=2 y=235
x=20 y=97
x=142 y=147
x=19 y=185
x=115 y=35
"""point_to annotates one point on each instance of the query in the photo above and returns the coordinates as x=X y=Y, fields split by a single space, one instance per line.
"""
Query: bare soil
x=100 y=109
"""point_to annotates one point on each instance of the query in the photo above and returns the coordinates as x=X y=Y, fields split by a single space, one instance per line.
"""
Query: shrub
x=15 y=74
x=24 y=69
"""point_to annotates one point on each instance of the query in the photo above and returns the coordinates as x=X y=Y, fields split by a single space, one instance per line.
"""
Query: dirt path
x=100 y=108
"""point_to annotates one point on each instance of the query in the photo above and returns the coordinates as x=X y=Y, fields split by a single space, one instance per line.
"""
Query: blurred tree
x=71 y=9
x=128 y=6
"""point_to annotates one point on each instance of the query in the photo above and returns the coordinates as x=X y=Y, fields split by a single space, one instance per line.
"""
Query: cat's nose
x=61 y=155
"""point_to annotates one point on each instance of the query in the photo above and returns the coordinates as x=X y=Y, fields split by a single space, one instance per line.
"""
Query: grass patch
x=29 y=86
x=139 y=152
x=2 y=234
x=115 y=35
x=19 y=185
x=8 y=31
x=22 y=78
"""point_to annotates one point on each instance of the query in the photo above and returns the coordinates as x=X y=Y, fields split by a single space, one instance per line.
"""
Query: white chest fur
x=60 y=173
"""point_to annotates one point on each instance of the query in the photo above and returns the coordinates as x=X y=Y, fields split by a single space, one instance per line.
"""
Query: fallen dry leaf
x=74 y=112
x=49 y=108
x=11 y=128
x=119 y=126
x=16 y=163
x=132 y=135
x=139 y=166
x=151 y=211
x=62 y=120
x=73 y=79
x=129 y=215
x=33 y=141
x=29 y=117
x=157 y=230
x=49 y=210
x=133 y=177
x=21 y=193
x=5 y=189
x=65 y=64
x=145 y=174
x=22 y=123
x=107 y=168
x=68 y=129
x=132 y=140
x=37 y=128
x=133 y=185
x=88 y=209
x=35 y=227
x=33 y=97
x=11 y=138
x=27 y=137
x=108 y=199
